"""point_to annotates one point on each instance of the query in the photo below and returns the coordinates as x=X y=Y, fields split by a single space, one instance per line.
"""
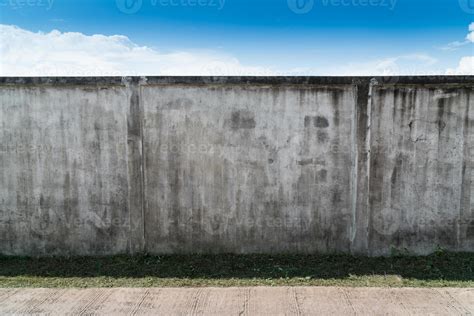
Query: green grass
x=438 y=270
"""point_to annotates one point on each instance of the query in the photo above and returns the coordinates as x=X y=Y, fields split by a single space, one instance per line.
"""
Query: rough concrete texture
x=97 y=166
x=64 y=180
x=421 y=168
x=248 y=169
x=238 y=301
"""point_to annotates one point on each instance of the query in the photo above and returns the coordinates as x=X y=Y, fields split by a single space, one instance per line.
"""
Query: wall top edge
x=236 y=80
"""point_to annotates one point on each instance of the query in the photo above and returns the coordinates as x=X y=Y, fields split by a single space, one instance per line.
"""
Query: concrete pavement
x=238 y=301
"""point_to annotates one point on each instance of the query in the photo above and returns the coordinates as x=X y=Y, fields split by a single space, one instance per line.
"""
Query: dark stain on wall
x=321 y=122
x=316 y=121
x=305 y=162
x=323 y=175
x=322 y=137
x=179 y=104
x=243 y=120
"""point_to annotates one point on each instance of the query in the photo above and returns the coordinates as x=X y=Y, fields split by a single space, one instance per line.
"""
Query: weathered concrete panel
x=63 y=174
x=99 y=166
x=244 y=169
x=421 y=181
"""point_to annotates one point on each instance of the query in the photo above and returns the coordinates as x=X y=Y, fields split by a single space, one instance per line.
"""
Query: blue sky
x=320 y=37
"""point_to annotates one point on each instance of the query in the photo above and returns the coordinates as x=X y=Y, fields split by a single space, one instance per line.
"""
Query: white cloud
x=454 y=45
x=457 y=44
x=466 y=64
x=470 y=36
x=413 y=64
x=465 y=67
x=26 y=53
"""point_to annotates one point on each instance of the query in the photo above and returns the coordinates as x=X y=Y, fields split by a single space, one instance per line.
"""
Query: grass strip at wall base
x=438 y=270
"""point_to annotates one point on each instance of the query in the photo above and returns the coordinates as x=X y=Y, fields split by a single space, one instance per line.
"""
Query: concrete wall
x=94 y=166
